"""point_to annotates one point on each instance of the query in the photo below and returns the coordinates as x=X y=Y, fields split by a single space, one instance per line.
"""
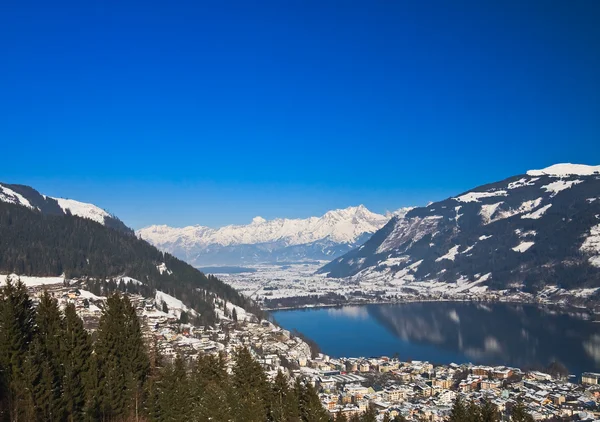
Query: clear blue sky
x=212 y=112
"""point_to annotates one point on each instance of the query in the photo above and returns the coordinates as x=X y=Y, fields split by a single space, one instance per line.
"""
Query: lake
x=524 y=336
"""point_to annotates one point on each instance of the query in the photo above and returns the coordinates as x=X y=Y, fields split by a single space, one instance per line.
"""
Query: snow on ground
x=89 y=295
x=162 y=268
x=522 y=182
x=559 y=185
x=10 y=196
x=537 y=213
x=523 y=246
x=241 y=313
x=488 y=210
x=476 y=196
x=33 y=281
x=81 y=209
x=591 y=245
x=175 y=305
x=390 y=262
x=451 y=254
x=566 y=169
x=469 y=248
x=526 y=206
x=128 y=280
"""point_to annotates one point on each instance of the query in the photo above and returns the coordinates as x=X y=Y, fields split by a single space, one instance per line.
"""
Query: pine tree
x=16 y=333
x=250 y=388
x=519 y=413
x=77 y=350
x=210 y=389
x=473 y=412
x=136 y=362
x=341 y=417
x=48 y=399
x=174 y=394
x=459 y=411
x=370 y=415
x=122 y=360
x=489 y=412
x=284 y=405
x=311 y=409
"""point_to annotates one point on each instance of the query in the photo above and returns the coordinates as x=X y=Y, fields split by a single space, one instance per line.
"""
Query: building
x=592 y=378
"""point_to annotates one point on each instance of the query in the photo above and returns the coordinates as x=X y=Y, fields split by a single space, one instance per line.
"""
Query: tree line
x=52 y=369
x=36 y=244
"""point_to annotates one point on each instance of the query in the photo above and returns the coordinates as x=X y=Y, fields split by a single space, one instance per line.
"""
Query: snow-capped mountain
x=540 y=228
x=32 y=199
x=278 y=240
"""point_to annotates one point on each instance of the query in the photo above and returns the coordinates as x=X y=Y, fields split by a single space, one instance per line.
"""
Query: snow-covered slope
x=32 y=199
x=81 y=209
x=534 y=229
x=281 y=239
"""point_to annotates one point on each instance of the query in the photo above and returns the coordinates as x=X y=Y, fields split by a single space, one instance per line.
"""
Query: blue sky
x=212 y=112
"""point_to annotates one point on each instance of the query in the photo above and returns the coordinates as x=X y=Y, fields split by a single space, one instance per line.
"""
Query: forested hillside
x=38 y=244
x=51 y=370
x=531 y=231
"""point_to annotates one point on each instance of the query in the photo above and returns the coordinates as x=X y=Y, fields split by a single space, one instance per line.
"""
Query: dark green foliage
x=16 y=332
x=309 y=404
x=519 y=413
x=76 y=354
x=250 y=390
x=33 y=243
x=370 y=415
x=459 y=411
x=489 y=412
x=122 y=358
x=51 y=371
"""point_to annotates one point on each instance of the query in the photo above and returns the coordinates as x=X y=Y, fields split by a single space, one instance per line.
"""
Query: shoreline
x=595 y=317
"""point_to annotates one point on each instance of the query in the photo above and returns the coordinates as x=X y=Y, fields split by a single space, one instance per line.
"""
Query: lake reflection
x=444 y=332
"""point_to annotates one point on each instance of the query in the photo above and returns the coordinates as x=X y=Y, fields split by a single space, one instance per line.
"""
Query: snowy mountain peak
x=566 y=169
x=258 y=220
x=336 y=227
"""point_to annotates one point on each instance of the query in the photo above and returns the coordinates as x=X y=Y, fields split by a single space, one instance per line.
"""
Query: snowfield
x=566 y=169
x=30 y=281
x=81 y=209
x=12 y=197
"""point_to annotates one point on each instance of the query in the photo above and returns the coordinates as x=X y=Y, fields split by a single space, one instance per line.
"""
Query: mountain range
x=530 y=231
x=270 y=241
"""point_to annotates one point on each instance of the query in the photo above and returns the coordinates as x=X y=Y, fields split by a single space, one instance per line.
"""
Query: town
x=414 y=390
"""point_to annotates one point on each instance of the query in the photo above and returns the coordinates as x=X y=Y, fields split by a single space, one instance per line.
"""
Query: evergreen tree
x=519 y=413
x=473 y=412
x=47 y=390
x=311 y=409
x=210 y=389
x=370 y=415
x=459 y=411
x=122 y=360
x=77 y=350
x=284 y=405
x=250 y=388
x=341 y=417
x=16 y=332
x=489 y=412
